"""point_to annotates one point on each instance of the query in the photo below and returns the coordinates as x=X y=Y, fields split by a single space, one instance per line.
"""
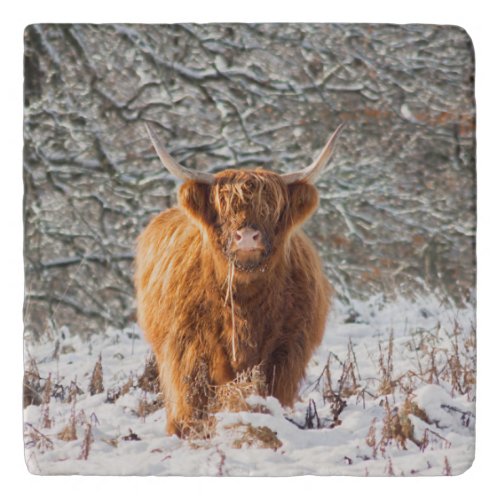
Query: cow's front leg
x=285 y=371
x=185 y=383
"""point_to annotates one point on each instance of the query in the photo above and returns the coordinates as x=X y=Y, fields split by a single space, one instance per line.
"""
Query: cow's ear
x=195 y=198
x=303 y=201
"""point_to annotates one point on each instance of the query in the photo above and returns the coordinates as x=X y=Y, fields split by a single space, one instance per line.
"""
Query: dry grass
x=228 y=397
x=233 y=395
x=96 y=382
x=86 y=442
x=387 y=384
x=454 y=364
x=435 y=356
x=146 y=406
x=69 y=431
x=33 y=437
x=446 y=467
x=118 y=391
x=258 y=437
x=439 y=357
x=149 y=381
x=33 y=384
x=336 y=398
x=40 y=391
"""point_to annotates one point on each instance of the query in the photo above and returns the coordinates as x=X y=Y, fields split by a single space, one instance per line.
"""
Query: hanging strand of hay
x=229 y=295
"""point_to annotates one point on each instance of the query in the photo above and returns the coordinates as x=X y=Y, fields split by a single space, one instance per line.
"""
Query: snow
x=126 y=443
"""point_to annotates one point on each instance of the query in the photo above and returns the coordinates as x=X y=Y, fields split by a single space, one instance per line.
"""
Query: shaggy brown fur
x=279 y=296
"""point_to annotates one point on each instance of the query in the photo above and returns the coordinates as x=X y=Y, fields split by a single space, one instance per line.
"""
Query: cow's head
x=248 y=214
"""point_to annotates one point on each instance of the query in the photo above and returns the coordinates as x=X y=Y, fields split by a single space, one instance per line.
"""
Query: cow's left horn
x=172 y=166
x=312 y=172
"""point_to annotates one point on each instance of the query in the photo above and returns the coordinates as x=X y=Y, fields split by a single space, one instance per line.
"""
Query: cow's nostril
x=247 y=238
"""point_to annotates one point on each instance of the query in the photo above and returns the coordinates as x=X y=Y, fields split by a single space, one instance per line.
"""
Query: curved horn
x=311 y=172
x=172 y=166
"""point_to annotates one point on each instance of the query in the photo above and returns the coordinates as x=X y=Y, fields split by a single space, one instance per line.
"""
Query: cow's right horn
x=313 y=171
x=172 y=166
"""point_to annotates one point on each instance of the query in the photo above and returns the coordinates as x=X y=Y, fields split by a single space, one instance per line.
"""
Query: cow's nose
x=248 y=238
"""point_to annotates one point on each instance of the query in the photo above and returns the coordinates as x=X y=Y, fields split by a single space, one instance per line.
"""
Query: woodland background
x=397 y=211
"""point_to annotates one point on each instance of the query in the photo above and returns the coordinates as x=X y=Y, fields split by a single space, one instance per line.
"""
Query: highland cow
x=227 y=281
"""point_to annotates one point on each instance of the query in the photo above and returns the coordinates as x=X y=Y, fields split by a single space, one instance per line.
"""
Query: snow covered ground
x=397 y=398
